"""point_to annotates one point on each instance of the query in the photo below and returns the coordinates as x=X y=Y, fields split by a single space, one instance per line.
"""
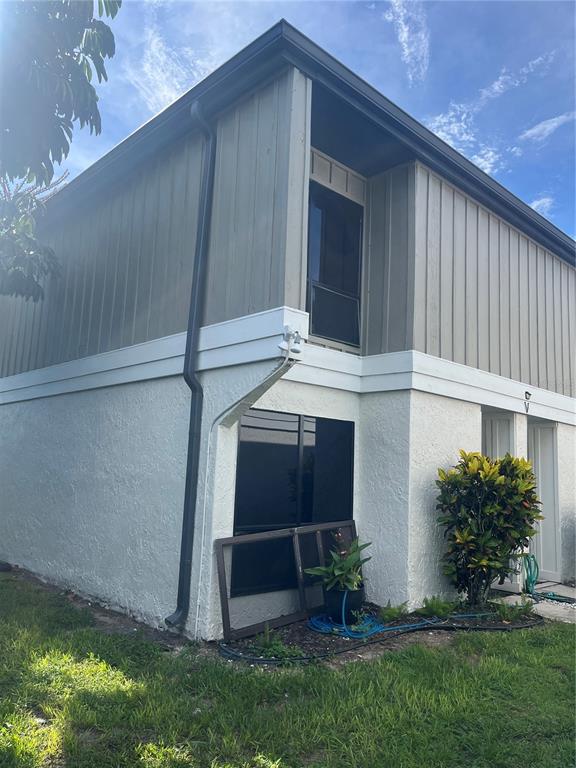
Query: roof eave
x=427 y=147
x=283 y=44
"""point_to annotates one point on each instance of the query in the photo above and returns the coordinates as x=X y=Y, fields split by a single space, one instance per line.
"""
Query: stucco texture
x=383 y=439
x=93 y=485
x=92 y=491
x=439 y=427
x=228 y=392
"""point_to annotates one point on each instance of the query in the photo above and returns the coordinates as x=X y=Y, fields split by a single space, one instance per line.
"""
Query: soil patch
x=297 y=642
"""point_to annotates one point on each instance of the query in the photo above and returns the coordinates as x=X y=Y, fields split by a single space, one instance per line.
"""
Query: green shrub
x=488 y=508
x=392 y=612
x=435 y=606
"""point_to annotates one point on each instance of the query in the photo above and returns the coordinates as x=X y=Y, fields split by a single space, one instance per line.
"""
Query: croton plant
x=488 y=508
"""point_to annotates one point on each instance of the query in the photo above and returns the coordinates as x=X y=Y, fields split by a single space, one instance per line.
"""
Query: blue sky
x=493 y=78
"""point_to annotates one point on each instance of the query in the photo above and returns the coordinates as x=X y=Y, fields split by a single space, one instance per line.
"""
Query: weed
x=516 y=612
x=436 y=607
x=392 y=612
x=270 y=645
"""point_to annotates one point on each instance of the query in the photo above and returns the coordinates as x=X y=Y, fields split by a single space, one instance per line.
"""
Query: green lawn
x=73 y=696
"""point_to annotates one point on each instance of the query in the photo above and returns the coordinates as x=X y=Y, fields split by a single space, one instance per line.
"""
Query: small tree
x=488 y=508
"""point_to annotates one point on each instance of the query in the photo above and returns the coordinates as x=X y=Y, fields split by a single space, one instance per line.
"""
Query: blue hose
x=371 y=626
x=366 y=628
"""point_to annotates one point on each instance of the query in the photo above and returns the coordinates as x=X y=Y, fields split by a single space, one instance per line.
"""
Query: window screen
x=334 y=257
x=292 y=470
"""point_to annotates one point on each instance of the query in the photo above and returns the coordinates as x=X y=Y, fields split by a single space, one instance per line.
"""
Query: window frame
x=330 y=341
x=239 y=591
x=301 y=417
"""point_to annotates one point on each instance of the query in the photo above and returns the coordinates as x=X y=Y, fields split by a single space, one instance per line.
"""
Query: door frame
x=536 y=425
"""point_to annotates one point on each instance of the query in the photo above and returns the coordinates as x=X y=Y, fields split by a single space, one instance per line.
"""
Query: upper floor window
x=334 y=261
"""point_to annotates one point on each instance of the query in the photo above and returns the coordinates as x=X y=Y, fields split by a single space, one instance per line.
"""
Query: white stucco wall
x=236 y=388
x=93 y=484
x=566 y=448
x=92 y=491
x=384 y=472
x=439 y=427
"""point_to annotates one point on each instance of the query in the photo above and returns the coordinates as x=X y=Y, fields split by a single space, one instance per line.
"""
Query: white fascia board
x=249 y=327
x=247 y=339
x=443 y=377
x=149 y=360
x=426 y=373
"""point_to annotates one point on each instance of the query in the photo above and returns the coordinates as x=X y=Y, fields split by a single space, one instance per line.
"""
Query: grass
x=73 y=696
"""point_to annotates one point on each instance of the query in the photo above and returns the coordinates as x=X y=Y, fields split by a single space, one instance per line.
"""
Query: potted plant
x=342 y=579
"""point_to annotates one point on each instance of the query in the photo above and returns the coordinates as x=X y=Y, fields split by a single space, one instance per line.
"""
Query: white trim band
x=247 y=339
x=256 y=337
x=416 y=370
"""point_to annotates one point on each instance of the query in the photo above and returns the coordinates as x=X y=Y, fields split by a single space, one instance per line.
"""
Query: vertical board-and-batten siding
x=127 y=255
x=388 y=267
x=126 y=262
x=260 y=212
x=487 y=296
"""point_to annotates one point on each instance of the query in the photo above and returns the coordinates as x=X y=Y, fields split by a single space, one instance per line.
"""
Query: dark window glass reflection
x=292 y=470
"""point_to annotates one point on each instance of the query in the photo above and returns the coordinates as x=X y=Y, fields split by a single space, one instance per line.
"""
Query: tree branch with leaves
x=50 y=51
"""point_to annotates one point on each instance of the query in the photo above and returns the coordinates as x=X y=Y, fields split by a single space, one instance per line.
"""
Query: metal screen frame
x=231 y=633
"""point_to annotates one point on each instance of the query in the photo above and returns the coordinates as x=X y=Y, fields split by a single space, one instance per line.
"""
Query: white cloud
x=546 y=128
x=164 y=73
x=488 y=159
x=457 y=125
x=507 y=80
x=411 y=27
x=541 y=61
x=543 y=205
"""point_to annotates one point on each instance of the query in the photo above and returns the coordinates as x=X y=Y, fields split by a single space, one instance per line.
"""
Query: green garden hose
x=531 y=573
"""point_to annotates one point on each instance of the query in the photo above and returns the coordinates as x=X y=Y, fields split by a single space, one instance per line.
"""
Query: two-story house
x=283 y=302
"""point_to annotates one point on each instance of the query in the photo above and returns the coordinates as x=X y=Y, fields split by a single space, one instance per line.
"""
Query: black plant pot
x=333 y=602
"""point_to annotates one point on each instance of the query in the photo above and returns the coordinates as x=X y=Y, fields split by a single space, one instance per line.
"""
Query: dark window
x=292 y=470
x=334 y=257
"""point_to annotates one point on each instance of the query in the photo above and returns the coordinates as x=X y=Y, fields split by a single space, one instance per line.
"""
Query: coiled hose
x=531 y=573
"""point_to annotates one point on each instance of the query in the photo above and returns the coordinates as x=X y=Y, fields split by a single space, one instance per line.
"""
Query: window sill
x=337 y=345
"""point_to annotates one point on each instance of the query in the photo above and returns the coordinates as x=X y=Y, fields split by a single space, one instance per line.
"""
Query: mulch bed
x=311 y=645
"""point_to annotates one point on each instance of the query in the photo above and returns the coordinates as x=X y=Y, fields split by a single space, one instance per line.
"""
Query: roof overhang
x=284 y=45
